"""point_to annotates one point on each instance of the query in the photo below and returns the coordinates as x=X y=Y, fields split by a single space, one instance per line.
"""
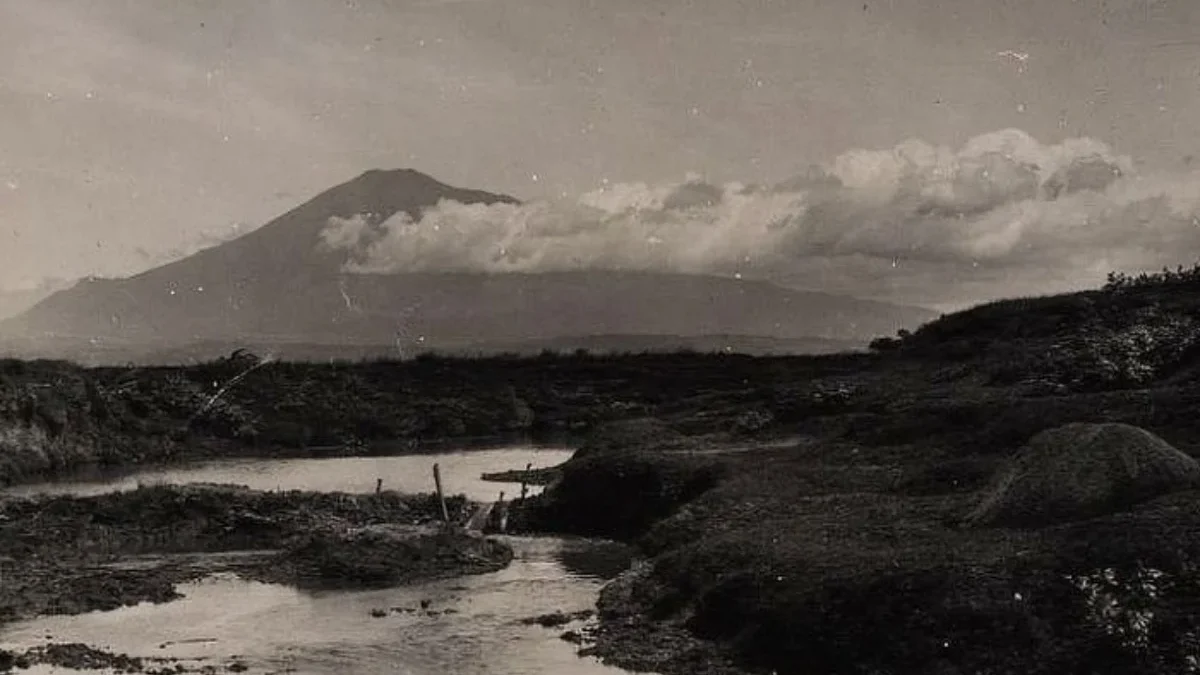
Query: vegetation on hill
x=852 y=549
x=54 y=415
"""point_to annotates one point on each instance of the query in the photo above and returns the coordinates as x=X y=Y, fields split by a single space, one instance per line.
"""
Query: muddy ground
x=67 y=555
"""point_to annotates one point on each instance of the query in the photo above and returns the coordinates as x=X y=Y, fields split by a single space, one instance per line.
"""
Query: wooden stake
x=437 y=480
x=525 y=481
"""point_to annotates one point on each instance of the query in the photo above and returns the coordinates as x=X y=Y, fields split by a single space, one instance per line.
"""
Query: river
x=461 y=471
x=471 y=624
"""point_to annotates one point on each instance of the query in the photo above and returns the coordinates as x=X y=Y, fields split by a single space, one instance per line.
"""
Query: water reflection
x=472 y=624
x=594 y=560
x=461 y=471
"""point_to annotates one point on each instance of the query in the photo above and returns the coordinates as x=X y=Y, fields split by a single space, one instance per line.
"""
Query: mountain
x=277 y=286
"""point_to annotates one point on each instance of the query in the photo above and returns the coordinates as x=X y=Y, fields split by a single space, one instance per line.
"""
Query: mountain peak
x=290 y=242
x=392 y=175
x=409 y=179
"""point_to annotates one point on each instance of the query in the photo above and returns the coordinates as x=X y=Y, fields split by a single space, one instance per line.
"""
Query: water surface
x=475 y=626
x=475 y=623
x=461 y=471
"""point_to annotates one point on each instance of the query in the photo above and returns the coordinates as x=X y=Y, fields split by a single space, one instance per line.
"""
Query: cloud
x=1003 y=207
x=345 y=233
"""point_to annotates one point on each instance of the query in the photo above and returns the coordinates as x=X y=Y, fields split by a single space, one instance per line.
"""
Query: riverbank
x=67 y=555
x=857 y=546
x=838 y=556
x=55 y=416
x=77 y=656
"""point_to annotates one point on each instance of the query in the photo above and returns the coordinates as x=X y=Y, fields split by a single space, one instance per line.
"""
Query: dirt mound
x=379 y=556
x=1080 y=471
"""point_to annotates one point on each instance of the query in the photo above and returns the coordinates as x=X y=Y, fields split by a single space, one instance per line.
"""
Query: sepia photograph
x=600 y=337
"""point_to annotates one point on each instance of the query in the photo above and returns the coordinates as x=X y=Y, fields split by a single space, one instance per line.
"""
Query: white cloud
x=1003 y=205
x=346 y=233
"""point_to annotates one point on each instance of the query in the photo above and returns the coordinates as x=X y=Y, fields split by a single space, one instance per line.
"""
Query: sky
x=897 y=149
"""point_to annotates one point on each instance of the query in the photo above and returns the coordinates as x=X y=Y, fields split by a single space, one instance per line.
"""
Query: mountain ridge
x=277 y=282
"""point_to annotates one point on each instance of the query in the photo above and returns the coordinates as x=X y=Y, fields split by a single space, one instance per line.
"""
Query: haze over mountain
x=288 y=283
x=13 y=301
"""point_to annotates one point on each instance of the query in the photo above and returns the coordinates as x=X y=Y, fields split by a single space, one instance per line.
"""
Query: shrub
x=1119 y=281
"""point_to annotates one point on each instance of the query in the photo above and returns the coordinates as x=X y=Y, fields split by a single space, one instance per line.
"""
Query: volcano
x=278 y=289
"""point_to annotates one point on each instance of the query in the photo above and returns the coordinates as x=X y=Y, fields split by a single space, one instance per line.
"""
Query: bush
x=1119 y=281
x=884 y=344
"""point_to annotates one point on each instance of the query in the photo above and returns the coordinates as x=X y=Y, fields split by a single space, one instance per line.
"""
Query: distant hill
x=595 y=344
x=277 y=286
x=616 y=344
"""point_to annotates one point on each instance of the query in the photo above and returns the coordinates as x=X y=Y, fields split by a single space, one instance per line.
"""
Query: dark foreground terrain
x=893 y=512
x=70 y=554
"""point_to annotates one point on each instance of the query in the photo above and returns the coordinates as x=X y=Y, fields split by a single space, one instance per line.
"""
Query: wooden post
x=502 y=520
x=437 y=480
x=378 y=485
x=525 y=481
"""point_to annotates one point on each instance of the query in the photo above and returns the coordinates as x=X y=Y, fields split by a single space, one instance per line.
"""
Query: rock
x=78 y=656
x=1079 y=471
x=554 y=619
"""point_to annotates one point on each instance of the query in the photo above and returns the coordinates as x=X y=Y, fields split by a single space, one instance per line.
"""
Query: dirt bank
x=383 y=555
x=624 y=478
x=78 y=656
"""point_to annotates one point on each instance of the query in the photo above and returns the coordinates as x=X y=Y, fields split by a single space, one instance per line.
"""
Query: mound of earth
x=1080 y=471
x=388 y=555
x=624 y=477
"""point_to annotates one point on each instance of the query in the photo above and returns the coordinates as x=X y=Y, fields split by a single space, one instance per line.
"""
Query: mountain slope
x=278 y=285
x=15 y=301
